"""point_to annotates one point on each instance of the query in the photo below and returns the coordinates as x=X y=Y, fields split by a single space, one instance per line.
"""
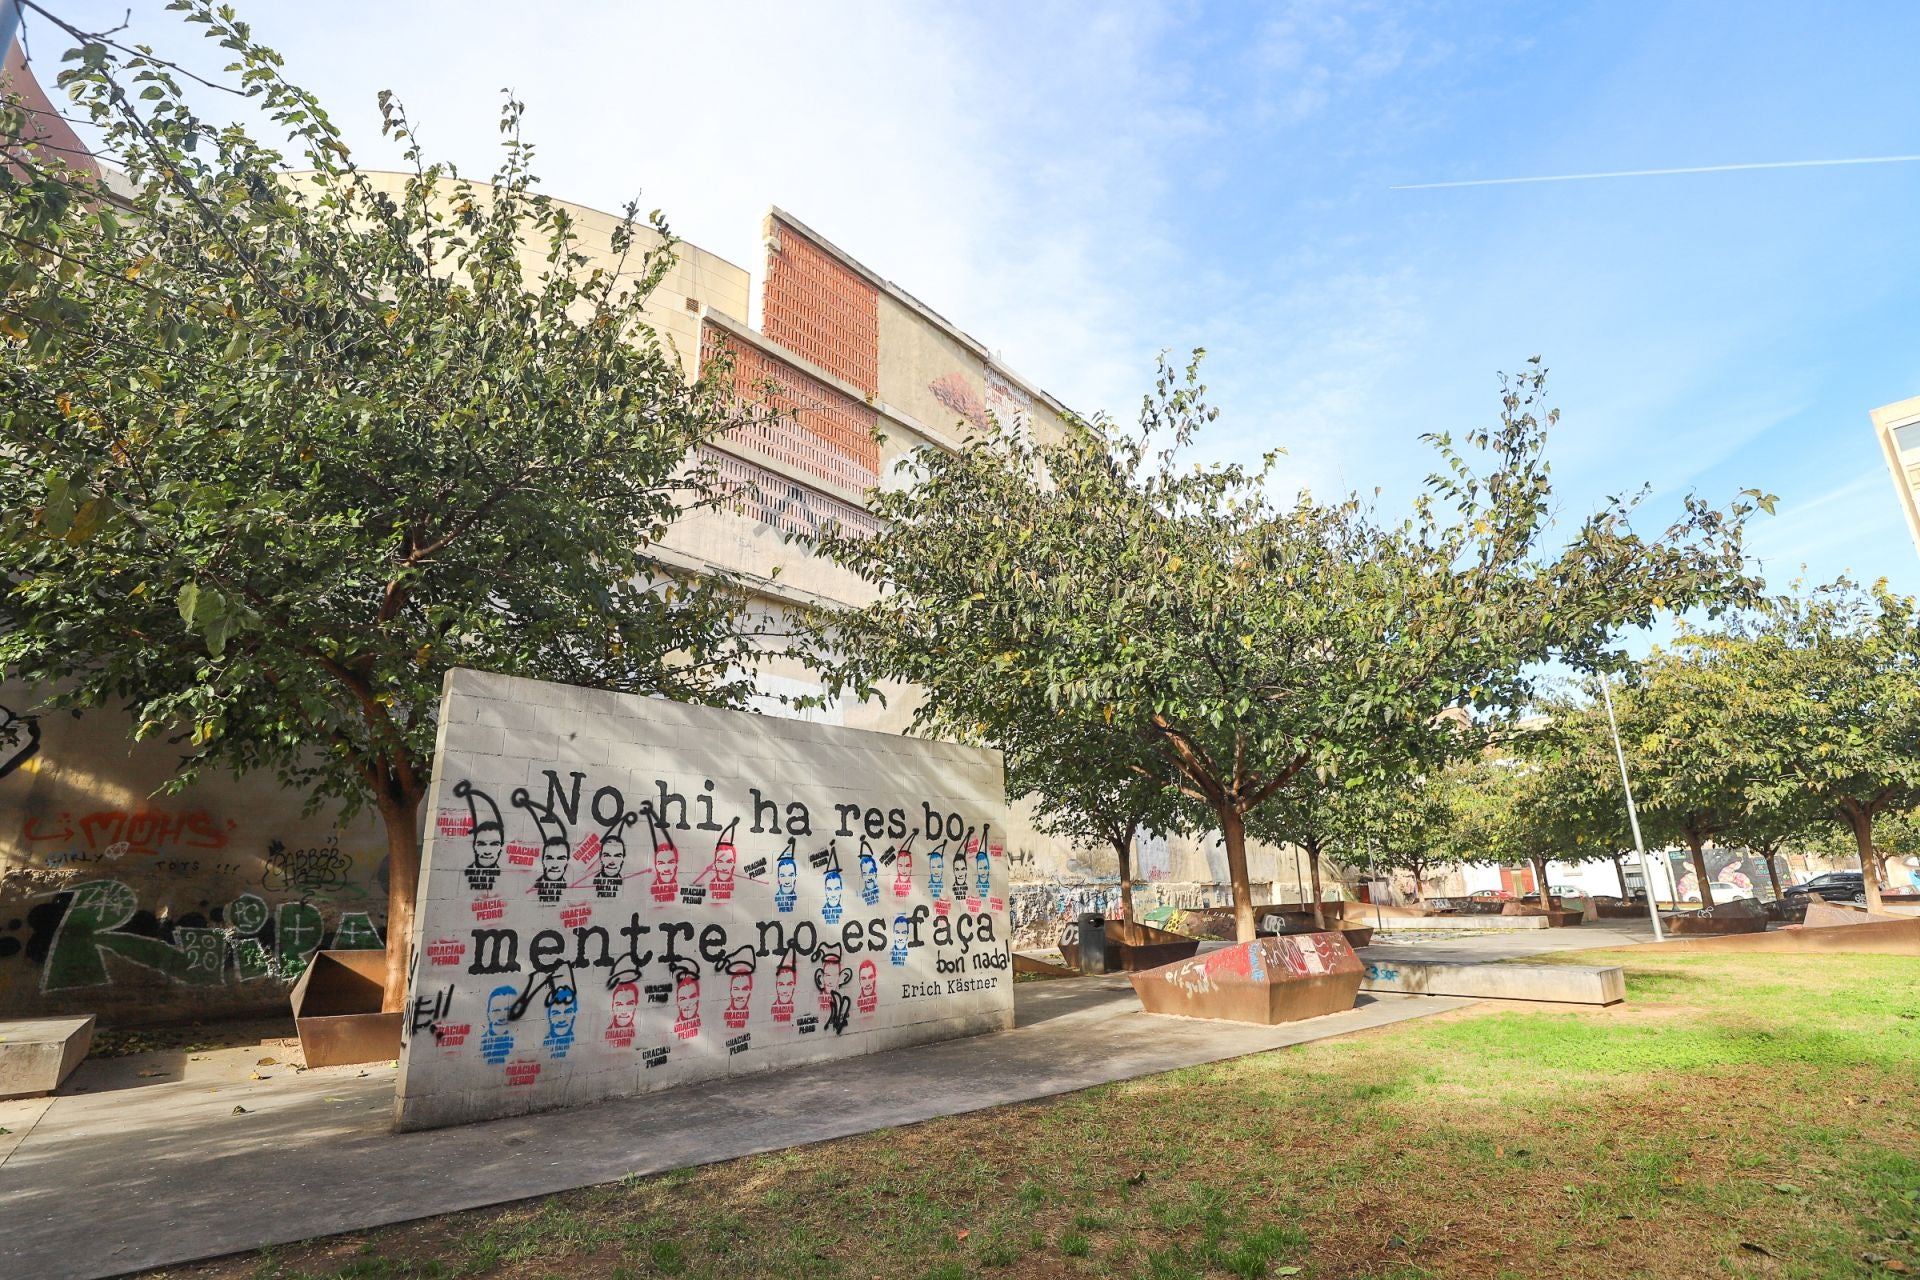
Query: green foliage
x=278 y=450
x=1686 y=745
x=1090 y=782
x=1410 y=824
x=1831 y=711
x=1251 y=644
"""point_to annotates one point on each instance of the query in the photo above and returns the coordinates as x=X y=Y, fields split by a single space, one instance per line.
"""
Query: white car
x=1723 y=893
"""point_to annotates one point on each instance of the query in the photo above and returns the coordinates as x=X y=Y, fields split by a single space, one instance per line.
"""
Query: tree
x=1509 y=808
x=1688 y=749
x=1092 y=784
x=1325 y=819
x=1249 y=640
x=1768 y=826
x=1402 y=827
x=1832 y=706
x=1896 y=838
x=278 y=451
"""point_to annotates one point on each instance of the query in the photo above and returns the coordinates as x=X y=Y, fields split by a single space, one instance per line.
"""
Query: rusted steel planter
x=1557 y=917
x=1266 y=981
x=1039 y=968
x=1827 y=915
x=336 y=1009
x=1216 y=924
x=1154 y=948
x=1729 y=917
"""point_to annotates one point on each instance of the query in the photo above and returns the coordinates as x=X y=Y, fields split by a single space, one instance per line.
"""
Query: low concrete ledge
x=1464 y=924
x=1558 y=983
x=36 y=1054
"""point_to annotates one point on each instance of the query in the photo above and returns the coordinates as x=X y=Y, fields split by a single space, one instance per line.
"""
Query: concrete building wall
x=696 y=282
x=1898 y=427
x=146 y=908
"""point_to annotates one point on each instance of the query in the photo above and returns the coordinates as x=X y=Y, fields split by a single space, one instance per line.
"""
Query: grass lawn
x=1739 y=1115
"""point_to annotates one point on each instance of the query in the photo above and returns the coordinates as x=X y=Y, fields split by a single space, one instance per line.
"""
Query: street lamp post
x=1633 y=814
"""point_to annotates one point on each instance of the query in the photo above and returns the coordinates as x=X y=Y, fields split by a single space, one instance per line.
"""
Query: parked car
x=1490 y=895
x=1723 y=892
x=1833 y=886
x=1569 y=891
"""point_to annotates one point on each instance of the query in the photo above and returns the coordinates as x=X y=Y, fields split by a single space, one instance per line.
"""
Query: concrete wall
x=150 y=908
x=624 y=893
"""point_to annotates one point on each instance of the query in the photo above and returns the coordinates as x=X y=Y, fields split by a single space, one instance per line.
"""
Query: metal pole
x=1633 y=814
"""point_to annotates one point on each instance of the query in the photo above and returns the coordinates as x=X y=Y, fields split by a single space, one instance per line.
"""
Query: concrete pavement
x=1410 y=944
x=158 y=1159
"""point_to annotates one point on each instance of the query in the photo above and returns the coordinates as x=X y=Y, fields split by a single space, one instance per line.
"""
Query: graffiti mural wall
x=141 y=907
x=623 y=893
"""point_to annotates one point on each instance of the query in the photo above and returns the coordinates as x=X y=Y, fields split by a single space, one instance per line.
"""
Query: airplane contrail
x=1655 y=173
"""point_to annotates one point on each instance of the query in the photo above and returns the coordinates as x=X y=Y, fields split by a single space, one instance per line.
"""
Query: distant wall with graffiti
x=664 y=894
x=142 y=907
x=1041 y=911
x=1054 y=882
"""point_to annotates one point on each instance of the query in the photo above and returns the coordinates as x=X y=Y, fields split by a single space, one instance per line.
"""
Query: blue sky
x=1082 y=185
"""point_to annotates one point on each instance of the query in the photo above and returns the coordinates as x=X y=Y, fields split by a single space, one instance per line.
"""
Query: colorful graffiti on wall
x=78 y=930
x=183 y=840
x=19 y=739
x=1040 y=910
x=572 y=854
x=589 y=931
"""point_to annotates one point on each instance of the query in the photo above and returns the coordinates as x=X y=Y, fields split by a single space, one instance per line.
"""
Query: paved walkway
x=1512 y=944
x=128 y=1168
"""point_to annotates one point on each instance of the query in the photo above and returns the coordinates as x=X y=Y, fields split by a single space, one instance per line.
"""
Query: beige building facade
x=142 y=907
x=1898 y=428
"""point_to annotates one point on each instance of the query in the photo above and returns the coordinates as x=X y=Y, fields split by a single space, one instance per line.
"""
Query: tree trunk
x=1773 y=874
x=1700 y=871
x=1620 y=874
x=1125 y=849
x=402 y=821
x=1233 y=832
x=1546 y=895
x=1313 y=870
x=1862 y=824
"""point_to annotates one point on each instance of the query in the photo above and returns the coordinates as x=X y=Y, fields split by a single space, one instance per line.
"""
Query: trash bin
x=1093 y=942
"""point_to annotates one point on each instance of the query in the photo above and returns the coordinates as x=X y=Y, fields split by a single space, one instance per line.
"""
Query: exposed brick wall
x=784 y=504
x=813 y=305
x=817 y=429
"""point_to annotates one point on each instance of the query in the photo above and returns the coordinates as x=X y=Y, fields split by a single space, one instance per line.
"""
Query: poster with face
x=664 y=894
x=623 y=1005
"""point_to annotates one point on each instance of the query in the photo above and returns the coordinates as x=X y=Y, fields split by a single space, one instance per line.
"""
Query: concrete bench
x=36 y=1054
x=1559 y=983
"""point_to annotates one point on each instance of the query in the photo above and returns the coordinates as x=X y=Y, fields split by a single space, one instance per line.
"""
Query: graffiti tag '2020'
x=602 y=906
